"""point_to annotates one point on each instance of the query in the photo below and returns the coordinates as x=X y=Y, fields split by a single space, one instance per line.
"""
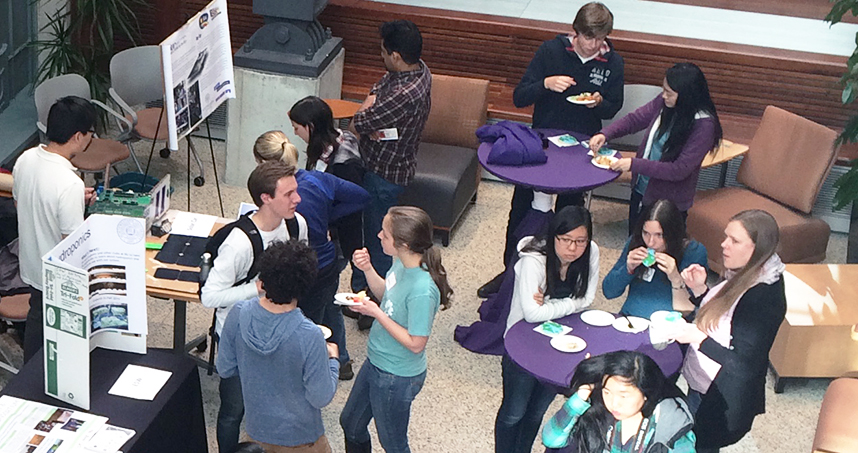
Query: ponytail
x=431 y=262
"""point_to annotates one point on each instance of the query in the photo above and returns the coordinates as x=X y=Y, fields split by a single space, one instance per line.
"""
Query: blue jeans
x=525 y=401
x=230 y=414
x=383 y=195
x=385 y=397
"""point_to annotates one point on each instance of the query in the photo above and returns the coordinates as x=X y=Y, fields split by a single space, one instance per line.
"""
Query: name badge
x=321 y=165
x=388 y=134
x=648 y=275
x=390 y=281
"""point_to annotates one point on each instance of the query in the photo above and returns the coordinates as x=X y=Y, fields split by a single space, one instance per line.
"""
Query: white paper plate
x=344 y=299
x=638 y=324
x=597 y=318
x=606 y=167
x=326 y=332
x=568 y=343
x=574 y=100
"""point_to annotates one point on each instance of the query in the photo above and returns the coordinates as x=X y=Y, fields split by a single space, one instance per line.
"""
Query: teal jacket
x=671 y=431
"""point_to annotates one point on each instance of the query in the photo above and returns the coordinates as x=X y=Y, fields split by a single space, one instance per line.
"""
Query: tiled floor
x=669 y=19
x=456 y=409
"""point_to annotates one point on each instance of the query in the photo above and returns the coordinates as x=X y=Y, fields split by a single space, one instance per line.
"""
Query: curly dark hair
x=287 y=270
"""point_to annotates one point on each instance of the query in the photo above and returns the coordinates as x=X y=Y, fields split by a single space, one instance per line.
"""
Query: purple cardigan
x=675 y=181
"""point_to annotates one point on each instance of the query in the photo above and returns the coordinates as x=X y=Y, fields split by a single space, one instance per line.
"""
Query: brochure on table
x=94 y=295
x=31 y=427
x=198 y=72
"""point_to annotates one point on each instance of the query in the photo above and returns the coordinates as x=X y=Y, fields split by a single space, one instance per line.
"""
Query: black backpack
x=244 y=223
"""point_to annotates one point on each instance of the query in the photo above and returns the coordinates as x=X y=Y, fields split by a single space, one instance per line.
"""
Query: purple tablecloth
x=531 y=350
x=567 y=169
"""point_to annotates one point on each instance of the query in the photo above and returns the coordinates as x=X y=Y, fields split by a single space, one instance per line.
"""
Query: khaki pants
x=321 y=445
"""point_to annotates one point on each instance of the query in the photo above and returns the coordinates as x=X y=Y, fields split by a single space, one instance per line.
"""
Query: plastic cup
x=663 y=327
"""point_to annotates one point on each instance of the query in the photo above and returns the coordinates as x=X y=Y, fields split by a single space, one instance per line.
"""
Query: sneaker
x=346 y=372
x=365 y=322
x=492 y=287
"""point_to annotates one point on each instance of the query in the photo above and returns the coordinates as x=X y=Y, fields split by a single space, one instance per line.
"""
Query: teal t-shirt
x=411 y=299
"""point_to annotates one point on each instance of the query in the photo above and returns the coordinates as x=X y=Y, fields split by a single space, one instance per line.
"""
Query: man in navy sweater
x=288 y=372
x=581 y=62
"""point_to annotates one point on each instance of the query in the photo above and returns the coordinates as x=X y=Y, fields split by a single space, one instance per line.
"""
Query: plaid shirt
x=402 y=101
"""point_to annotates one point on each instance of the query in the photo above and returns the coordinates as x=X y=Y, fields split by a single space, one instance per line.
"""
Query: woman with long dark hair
x=411 y=293
x=623 y=404
x=556 y=275
x=682 y=127
x=660 y=231
x=736 y=325
x=333 y=151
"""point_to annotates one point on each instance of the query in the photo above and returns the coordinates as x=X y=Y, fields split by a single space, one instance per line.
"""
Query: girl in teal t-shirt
x=414 y=288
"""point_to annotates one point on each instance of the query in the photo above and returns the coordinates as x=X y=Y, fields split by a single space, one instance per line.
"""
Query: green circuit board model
x=117 y=202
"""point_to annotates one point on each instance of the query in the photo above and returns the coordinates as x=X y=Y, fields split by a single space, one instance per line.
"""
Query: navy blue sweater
x=551 y=110
x=324 y=199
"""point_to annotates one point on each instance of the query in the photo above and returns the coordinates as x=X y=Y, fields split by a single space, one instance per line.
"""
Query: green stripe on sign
x=51 y=376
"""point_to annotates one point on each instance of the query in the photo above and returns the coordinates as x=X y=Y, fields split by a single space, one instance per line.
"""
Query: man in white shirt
x=50 y=198
x=273 y=187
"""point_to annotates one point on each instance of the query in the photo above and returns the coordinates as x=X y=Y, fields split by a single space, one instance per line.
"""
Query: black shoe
x=346 y=372
x=365 y=322
x=349 y=313
x=492 y=287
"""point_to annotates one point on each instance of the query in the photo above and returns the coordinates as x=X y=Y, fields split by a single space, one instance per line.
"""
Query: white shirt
x=530 y=278
x=233 y=261
x=50 y=198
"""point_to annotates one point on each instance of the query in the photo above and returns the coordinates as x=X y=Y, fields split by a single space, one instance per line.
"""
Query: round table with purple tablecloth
x=567 y=169
x=532 y=351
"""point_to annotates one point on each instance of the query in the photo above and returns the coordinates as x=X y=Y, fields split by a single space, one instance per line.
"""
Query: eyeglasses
x=566 y=242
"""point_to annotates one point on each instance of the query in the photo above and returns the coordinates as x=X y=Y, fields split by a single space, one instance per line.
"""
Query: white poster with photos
x=198 y=72
x=31 y=427
x=94 y=287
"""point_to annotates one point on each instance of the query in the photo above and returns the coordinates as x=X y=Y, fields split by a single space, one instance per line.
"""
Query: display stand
x=94 y=295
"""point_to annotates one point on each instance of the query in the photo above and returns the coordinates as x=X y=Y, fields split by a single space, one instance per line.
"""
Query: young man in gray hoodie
x=288 y=372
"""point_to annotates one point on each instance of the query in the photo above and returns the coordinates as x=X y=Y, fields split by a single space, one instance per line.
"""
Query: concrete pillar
x=262 y=102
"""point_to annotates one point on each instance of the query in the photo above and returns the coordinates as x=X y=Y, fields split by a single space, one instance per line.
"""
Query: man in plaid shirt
x=390 y=122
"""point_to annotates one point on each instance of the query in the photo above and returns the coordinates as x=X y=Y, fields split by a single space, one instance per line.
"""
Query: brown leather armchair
x=836 y=430
x=786 y=164
x=448 y=171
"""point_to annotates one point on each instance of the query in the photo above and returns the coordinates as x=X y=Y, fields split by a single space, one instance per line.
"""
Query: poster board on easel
x=198 y=71
x=94 y=295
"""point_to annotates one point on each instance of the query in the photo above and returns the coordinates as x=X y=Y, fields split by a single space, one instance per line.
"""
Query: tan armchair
x=786 y=164
x=836 y=429
x=448 y=171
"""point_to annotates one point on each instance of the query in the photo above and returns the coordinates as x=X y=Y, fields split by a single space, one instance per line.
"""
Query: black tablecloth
x=173 y=422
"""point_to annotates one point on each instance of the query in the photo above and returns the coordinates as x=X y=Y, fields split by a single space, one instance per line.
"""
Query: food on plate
x=586 y=96
x=359 y=297
x=604 y=160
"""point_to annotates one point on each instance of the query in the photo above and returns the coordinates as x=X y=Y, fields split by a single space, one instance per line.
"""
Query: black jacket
x=551 y=110
x=737 y=394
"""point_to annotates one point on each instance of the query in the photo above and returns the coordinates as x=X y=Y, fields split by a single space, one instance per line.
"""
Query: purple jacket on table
x=675 y=181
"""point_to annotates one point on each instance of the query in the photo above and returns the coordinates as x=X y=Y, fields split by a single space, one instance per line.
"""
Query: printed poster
x=198 y=72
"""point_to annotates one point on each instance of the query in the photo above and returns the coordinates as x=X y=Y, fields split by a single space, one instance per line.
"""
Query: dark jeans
x=522 y=197
x=383 y=195
x=386 y=398
x=348 y=230
x=318 y=305
x=525 y=401
x=230 y=414
x=636 y=206
x=694 y=399
x=34 y=332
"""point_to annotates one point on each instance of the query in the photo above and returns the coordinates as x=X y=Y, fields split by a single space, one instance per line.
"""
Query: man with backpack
x=233 y=275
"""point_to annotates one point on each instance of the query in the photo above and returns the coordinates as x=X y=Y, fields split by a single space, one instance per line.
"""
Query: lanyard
x=640 y=439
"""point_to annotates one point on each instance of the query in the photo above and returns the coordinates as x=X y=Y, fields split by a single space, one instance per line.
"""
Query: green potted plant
x=81 y=40
x=847 y=185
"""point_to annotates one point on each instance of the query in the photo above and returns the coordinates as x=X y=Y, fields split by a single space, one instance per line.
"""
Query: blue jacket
x=647 y=297
x=324 y=199
x=286 y=375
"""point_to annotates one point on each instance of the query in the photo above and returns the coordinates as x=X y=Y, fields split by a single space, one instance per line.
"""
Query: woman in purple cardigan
x=682 y=127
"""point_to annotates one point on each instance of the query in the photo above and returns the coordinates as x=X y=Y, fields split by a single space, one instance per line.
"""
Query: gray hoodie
x=286 y=375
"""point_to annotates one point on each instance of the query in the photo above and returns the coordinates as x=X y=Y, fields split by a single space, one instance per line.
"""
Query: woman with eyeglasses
x=682 y=127
x=556 y=275
x=654 y=283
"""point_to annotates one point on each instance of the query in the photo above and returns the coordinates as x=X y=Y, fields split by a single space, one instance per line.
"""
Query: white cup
x=663 y=327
